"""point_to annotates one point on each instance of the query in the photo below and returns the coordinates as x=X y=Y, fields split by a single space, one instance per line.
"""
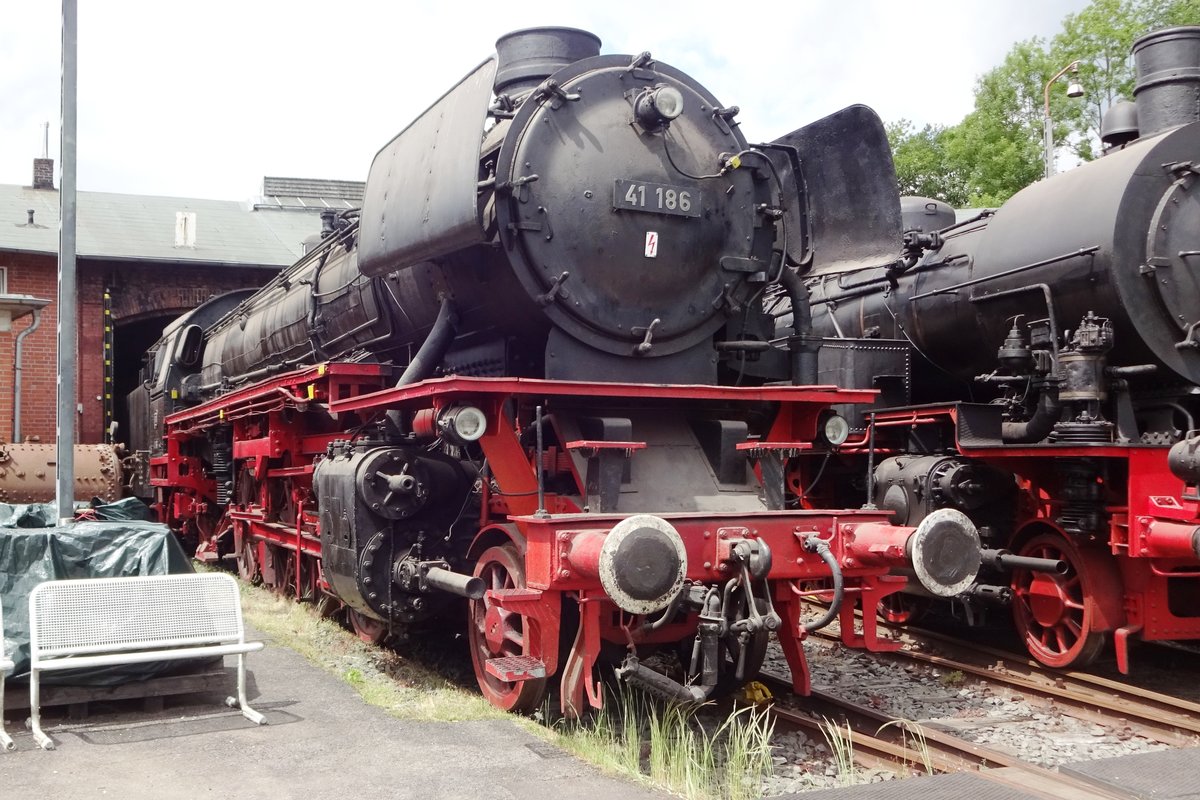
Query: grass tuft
x=911 y=729
x=669 y=746
x=841 y=745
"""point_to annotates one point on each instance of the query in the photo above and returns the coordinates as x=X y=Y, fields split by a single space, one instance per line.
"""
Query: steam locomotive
x=539 y=371
x=1039 y=368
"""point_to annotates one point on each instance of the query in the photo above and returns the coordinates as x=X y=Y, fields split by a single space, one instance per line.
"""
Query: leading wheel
x=247 y=561
x=369 y=629
x=899 y=608
x=497 y=633
x=1055 y=614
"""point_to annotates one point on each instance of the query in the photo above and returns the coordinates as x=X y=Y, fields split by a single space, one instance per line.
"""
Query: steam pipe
x=455 y=583
x=632 y=670
x=434 y=348
x=1039 y=426
x=814 y=544
x=1004 y=560
x=430 y=353
x=17 y=364
x=803 y=348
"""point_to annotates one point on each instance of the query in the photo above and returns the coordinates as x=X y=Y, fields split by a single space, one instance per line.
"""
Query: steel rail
x=1160 y=717
x=946 y=752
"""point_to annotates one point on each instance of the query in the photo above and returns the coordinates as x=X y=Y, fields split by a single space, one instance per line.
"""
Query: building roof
x=314 y=192
x=131 y=227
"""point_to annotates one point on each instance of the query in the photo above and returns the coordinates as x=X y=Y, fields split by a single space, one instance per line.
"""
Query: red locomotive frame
x=531 y=562
x=1129 y=580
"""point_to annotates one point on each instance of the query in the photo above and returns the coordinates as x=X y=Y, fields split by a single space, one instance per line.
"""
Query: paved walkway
x=321 y=741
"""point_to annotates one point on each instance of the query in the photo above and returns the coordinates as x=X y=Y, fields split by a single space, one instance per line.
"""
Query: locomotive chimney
x=527 y=57
x=43 y=173
x=1168 y=78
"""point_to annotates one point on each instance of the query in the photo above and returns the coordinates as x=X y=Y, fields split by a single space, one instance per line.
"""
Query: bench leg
x=6 y=741
x=239 y=702
x=35 y=713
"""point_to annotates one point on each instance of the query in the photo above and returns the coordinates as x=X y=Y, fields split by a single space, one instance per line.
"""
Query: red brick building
x=141 y=261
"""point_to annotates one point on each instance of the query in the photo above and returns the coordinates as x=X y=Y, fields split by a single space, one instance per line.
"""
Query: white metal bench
x=97 y=622
x=5 y=665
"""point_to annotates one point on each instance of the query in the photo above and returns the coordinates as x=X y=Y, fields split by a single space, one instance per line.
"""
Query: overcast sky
x=203 y=99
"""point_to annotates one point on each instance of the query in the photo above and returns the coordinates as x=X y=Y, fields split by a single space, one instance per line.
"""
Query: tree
x=922 y=166
x=997 y=149
x=998 y=146
x=1101 y=37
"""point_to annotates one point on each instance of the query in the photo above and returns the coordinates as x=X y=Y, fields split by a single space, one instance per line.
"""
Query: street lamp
x=1074 y=89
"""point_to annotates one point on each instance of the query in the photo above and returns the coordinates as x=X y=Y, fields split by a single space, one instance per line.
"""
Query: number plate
x=657 y=198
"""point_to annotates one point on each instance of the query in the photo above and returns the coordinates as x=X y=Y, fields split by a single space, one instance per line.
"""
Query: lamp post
x=1073 y=90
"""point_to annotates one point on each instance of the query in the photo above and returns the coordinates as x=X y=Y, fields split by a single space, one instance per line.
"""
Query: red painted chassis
x=282 y=427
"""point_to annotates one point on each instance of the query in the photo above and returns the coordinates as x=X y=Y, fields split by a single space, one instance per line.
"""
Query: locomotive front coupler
x=752 y=557
x=705 y=653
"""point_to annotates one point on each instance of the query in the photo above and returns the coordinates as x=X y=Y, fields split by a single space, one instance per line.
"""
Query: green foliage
x=841 y=746
x=668 y=745
x=922 y=167
x=997 y=149
x=1100 y=37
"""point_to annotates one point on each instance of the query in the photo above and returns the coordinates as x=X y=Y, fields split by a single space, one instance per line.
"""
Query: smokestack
x=1168 y=79
x=43 y=173
x=526 y=57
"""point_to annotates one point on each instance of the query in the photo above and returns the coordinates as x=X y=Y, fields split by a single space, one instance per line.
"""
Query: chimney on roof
x=43 y=173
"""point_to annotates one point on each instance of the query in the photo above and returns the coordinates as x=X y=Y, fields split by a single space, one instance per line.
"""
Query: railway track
x=878 y=739
x=1115 y=704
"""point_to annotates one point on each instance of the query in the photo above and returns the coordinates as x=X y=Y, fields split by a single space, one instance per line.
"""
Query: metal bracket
x=1189 y=338
x=554 y=291
x=644 y=348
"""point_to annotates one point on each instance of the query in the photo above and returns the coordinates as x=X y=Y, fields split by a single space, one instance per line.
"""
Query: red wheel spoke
x=496 y=632
x=1054 y=613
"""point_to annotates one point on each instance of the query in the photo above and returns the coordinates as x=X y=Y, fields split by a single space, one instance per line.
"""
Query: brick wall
x=36 y=275
x=138 y=291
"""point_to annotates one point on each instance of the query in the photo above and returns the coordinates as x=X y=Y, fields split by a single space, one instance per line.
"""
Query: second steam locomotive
x=539 y=371
x=1039 y=367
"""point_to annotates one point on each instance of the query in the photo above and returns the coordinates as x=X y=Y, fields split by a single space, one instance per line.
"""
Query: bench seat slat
x=134 y=644
x=81 y=662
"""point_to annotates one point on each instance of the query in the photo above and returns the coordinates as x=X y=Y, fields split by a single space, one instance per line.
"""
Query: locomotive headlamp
x=657 y=107
x=835 y=430
x=463 y=423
